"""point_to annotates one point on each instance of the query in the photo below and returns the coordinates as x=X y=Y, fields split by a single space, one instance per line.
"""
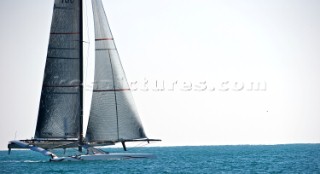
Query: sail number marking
x=67 y=1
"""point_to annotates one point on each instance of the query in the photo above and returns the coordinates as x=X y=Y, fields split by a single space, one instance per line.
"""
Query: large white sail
x=113 y=116
x=59 y=110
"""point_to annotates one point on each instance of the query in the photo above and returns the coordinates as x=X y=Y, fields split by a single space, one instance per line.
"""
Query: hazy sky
x=226 y=45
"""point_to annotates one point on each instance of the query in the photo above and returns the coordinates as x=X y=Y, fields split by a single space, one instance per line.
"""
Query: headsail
x=59 y=110
x=113 y=116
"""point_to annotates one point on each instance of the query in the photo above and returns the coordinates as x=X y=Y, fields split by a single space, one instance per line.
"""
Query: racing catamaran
x=113 y=116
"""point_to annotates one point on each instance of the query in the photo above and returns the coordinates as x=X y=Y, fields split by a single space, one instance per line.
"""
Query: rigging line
x=88 y=35
x=73 y=149
x=115 y=94
x=144 y=144
x=141 y=144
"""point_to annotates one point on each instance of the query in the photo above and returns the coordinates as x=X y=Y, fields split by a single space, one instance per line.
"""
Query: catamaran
x=113 y=116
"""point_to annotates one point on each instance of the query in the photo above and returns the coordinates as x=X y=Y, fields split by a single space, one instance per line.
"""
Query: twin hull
x=109 y=156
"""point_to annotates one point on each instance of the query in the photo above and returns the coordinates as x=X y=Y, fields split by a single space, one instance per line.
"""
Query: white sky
x=275 y=41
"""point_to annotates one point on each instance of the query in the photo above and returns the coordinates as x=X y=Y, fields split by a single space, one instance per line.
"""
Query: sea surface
x=294 y=158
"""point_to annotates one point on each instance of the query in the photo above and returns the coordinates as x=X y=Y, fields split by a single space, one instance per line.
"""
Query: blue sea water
x=295 y=158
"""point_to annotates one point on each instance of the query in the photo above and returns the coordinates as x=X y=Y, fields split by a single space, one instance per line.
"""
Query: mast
x=81 y=74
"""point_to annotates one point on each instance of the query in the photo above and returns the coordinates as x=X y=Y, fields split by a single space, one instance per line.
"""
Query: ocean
x=293 y=158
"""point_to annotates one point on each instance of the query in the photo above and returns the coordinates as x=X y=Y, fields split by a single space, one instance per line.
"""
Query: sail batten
x=113 y=116
x=61 y=33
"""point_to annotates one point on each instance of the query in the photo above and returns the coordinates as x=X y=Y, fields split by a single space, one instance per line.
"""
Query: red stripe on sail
x=98 y=39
